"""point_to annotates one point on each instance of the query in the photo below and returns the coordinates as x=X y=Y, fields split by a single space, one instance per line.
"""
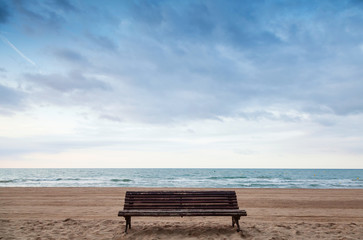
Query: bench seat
x=181 y=203
x=183 y=212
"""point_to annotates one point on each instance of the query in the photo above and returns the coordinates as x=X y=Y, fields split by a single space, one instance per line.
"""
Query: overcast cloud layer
x=265 y=80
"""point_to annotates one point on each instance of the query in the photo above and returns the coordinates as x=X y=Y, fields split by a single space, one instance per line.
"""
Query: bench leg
x=128 y=223
x=236 y=220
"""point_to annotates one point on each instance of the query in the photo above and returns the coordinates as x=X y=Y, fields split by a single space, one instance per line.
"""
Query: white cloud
x=361 y=47
x=195 y=84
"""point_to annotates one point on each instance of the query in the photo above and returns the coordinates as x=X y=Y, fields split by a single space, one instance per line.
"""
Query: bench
x=181 y=203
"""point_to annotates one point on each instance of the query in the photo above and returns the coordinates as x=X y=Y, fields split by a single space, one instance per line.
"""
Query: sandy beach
x=91 y=213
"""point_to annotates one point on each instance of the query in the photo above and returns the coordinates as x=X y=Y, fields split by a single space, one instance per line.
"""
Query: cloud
x=37 y=17
x=4 y=12
x=9 y=96
x=73 y=81
x=11 y=100
x=65 y=5
x=209 y=60
x=204 y=22
x=148 y=12
x=13 y=146
x=70 y=55
x=102 y=41
x=111 y=118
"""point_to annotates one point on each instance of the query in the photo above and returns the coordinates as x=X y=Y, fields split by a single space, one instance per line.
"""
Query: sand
x=91 y=213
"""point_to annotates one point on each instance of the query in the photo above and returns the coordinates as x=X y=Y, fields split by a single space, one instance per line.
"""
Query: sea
x=182 y=177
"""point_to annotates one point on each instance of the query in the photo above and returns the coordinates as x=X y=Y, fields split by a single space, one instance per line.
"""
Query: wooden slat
x=184 y=211
x=179 y=200
x=184 y=194
x=180 y=206
x=181 y=192
x=159 y=200
x=195 y=212
x=180 y=203
x=181 y=197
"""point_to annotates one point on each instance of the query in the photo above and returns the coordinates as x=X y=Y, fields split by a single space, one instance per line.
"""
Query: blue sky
x=181 y=84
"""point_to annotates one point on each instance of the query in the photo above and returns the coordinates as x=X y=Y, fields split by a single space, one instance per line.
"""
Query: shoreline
x=91 y=212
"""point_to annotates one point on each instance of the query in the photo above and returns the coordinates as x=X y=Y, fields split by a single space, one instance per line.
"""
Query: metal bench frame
x=181 y=203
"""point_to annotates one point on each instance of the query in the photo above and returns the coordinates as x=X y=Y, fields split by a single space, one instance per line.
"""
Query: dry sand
x=91 y=213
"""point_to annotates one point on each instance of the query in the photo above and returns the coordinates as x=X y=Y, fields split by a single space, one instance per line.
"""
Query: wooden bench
x=181 y=203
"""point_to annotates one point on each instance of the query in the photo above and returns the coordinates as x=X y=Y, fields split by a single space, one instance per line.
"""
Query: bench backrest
x=154 y=200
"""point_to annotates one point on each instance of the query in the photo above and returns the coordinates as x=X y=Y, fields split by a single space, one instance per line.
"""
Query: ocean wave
x=66 y=179
x=6 y=181
x=46 y=179
x=259 y=185
x=121 y=180
x=314 y=185
x=217 y=178
x=264 y=177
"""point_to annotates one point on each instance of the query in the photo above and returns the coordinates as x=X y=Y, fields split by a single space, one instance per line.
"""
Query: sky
x=209 y=84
